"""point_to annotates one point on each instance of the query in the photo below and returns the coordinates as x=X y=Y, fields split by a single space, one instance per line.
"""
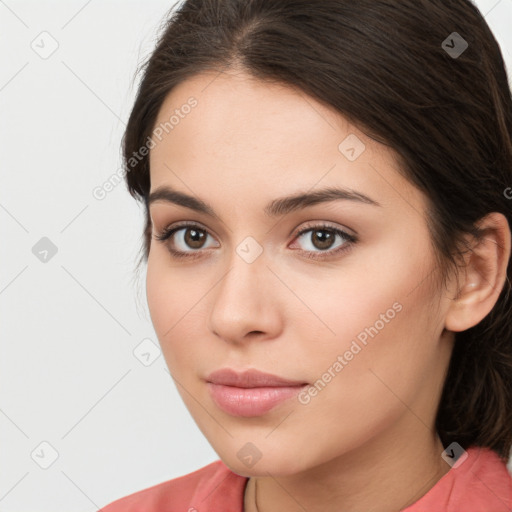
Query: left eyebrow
x=294 y=202
x=276 y=207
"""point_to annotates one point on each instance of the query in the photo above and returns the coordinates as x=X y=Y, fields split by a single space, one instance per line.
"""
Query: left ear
x=484 y=274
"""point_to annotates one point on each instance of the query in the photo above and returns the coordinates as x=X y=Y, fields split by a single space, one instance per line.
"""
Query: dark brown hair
x=388 y=68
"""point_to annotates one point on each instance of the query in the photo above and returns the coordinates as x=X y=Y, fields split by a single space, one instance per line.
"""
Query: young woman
x=328 y=196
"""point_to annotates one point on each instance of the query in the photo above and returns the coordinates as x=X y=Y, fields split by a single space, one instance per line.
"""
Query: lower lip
x=250 y=402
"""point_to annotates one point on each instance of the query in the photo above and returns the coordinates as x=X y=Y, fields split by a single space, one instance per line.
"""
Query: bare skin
x=366 y=441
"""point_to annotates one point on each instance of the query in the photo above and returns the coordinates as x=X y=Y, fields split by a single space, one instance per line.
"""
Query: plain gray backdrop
x=88 y=410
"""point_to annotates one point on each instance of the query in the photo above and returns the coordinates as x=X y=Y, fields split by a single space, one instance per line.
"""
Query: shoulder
x=486 y=483
x=212 y=487
x=481 y=483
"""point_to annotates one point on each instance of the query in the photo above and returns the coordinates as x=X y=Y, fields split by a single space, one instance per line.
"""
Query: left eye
x=322 y=239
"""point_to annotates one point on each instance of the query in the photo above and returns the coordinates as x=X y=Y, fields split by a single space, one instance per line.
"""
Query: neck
x=383 y=476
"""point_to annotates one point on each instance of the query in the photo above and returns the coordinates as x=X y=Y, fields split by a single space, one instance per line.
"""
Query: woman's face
x=356 y=317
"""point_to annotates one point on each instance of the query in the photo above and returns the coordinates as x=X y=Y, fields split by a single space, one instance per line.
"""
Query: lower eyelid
x=192 y=251
x=350 y=240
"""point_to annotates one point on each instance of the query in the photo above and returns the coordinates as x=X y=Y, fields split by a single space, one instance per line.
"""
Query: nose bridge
x=241 y=303
x=247 y=270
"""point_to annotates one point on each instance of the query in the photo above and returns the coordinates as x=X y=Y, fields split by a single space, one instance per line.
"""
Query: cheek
x=370 y=309
x=374 y=313
x=167 y=298
x=362 y=376
x=175 y=298
x=171 y=292
x=161 y=300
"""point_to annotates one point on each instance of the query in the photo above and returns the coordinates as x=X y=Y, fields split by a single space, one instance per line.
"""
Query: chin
x=279 y=463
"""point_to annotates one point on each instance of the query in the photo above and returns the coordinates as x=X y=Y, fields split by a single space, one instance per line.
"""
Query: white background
x=68 y=373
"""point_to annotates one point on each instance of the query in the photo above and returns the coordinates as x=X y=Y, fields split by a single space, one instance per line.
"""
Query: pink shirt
x=481 y=483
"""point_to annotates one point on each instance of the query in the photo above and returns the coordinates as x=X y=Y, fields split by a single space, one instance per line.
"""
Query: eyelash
x=350 y=240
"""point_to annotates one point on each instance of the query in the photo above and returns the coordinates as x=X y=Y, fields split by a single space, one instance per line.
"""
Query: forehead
x=237 y=110
x=264 y=134
x=237 y=89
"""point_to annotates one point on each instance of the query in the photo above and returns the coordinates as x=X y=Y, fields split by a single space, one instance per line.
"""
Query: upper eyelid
x=350 y=240
x=310 y=225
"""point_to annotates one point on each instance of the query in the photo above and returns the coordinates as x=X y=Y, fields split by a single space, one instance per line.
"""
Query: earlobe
x=484 y=274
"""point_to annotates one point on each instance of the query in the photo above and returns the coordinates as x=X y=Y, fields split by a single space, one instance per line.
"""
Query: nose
x=245 y=302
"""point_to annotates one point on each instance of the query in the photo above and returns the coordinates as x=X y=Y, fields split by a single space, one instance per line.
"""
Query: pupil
x=323 y=241
x=194 y=238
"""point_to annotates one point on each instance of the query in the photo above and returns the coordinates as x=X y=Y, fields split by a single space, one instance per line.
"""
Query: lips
x=250 y=379
x=250 y=393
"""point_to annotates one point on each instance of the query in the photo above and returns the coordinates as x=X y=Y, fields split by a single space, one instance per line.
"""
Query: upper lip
x=249 y=379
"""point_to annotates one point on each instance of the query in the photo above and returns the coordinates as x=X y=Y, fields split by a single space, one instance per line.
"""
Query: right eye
x=192 y=236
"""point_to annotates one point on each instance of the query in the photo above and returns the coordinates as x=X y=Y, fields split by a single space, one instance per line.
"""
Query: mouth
x=250 y=393
x=251 y=402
